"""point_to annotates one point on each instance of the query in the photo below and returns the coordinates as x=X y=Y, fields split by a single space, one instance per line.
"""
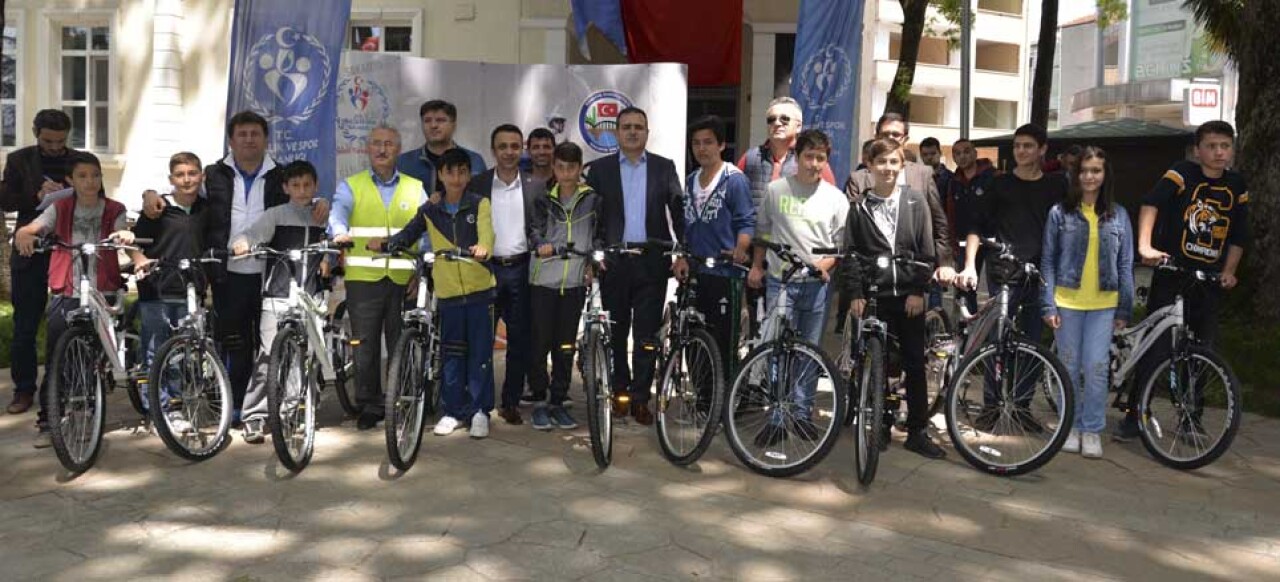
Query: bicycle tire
x=596 y=382
x=869 y=413
x=343 y=360
x=289 y=355
x=1226 y=434
x=410 y=384
x=742 y=394
x=133 y=353
x=669 y=425
x=985 y=457
x=197 y=353
x=937 y=324
x=77 y=362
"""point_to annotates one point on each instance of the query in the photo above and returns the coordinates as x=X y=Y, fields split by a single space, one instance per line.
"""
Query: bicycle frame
x=97 y=312
x=1169 y=317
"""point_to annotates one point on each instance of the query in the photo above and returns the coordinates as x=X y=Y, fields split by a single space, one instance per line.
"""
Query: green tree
x=914 y=13
x=1109 y=11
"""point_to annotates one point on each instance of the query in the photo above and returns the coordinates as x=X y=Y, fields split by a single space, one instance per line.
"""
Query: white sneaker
x=479 y=425
x=179 y=425
x=446 y=425
x=1091 y=445
x=1072 y=445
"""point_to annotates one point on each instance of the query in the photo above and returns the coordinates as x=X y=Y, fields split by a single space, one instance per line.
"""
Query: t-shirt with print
x=802 y=216
x=86 y=227
x=1199 y=217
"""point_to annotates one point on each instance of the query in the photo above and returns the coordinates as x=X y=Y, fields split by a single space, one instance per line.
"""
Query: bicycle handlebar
x=900 y=258
x=48 y=243
x=324 y=247
x=1197 y=275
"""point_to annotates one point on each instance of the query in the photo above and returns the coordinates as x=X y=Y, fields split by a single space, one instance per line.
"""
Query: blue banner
x=284 y=65
x=606 y=15
x=825 y=76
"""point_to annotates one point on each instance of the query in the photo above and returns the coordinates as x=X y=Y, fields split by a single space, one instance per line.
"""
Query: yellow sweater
x=1088 y=297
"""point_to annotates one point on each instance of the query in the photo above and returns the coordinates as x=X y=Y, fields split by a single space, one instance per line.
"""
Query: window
x=9 y=89
x=1005 y=6
x=85 y=60
x=995 y=114
x=927 y=110
x=996 y=56
x=382 y=37
x=933 y=50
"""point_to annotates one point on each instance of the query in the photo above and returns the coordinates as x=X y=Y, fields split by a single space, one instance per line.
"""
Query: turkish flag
x=704 y=34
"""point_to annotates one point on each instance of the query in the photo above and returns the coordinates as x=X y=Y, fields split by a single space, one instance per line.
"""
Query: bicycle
x=1173 y=404
x=690 y=392
x=188 y=392
x=413 y=391
x=868 y=352
x=1025 y=404
x=783 y=413
x=300 y=357
x=89 y=360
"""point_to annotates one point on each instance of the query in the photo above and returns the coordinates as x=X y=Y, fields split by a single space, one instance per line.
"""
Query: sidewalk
x=531 y=505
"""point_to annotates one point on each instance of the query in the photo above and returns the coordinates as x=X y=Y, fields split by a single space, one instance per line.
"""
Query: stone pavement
x=531 y=505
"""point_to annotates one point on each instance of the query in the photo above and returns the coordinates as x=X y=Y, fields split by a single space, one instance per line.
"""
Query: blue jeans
x=158 y=318
x=467 y=343
x=1084 y=345
x=808 y=316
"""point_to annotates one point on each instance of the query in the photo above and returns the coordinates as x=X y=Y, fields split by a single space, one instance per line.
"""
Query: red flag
x=705 y=34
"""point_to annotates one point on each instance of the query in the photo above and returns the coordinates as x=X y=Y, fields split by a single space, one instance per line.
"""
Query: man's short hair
x=247 y=118
x=541 y=133
x=568 y=152
x=504 y=128
x=439 y=105
x=298 y=169
x=891 y=117
x=184 y=158
x=454 y=157
x=882 y=146
x=1033 y=131
x=52 y=120
x=812 y=139
x=708 y=122
x=784 y=100
x=931 y=142
x=960 y=141
x=1216 y=127
x=384 y=126
x=636 y=110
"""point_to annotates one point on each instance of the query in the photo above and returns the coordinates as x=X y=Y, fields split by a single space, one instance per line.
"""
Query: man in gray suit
x=918 y=177
x=511 y=195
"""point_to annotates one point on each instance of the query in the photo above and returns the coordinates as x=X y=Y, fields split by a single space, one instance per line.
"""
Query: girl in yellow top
x=1088 y=272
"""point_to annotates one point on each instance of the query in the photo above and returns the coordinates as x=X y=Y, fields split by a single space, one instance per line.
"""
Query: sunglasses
x=772 y=119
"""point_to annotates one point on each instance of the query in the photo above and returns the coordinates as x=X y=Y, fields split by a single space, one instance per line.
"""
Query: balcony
x=985 y=83
x=1011 y=7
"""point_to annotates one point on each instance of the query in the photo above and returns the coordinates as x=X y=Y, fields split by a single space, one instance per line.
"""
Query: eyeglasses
x=772 y=119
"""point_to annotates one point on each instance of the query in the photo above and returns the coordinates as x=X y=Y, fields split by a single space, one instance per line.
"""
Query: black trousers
x=376 y=309
x=910 y=332
x=634 y=288
x=719 y=300
x=237 y=301
x=555 y=331
x=1200 y=308
x=30 y=291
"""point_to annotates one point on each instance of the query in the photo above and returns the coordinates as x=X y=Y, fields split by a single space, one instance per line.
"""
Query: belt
x=511 y=261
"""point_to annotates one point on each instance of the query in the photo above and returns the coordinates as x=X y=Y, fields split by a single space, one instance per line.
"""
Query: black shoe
x=986 y=420
x=769 y=436
x=1128 y=429
x=919 y=443
x=1028 y=421
x=805 y=429
x=368 y=420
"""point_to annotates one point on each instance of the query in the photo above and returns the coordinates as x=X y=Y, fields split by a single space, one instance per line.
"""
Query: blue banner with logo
x=284 y=65
x=825 y=76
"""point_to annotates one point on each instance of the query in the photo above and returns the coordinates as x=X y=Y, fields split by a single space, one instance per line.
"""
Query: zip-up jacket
x=456 y=282
x=914 y=237
x=559 y=223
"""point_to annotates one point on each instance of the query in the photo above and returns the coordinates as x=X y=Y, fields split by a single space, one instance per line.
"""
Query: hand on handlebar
x=914 y=305
x=680 y=268
x=966 y=280
x=546 y=250
x=240 y=247
x=1152 y=257
x=479 y=252
x=124 y=237
x=944 y=275
x=375 y=244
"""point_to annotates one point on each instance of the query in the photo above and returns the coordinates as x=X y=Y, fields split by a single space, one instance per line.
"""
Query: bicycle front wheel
x=868 y=413
x=1009 y=408
x=1190 y=409
x=343 y=363
x=190 y=398
x=783 y=411
x=690 y=398
x=75 y=401
x=291 y=399
x=410 y=385
x=598 y=386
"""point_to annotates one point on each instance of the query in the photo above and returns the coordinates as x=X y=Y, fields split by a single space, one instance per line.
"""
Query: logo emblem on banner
x=825 y=77
x=288 y=75
x=362 y=105
x=598 y=120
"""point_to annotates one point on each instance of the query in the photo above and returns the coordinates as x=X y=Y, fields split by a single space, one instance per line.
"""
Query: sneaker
x=540 y=419
x=986 y=420
x=1072 y=445
x=253 y=432
x=805 y=429
x=769 y=436
x=479 y=425
x=178 y=424
x=446 y=425
x=568 y=402
x=919 y=443
x=560 y=417
x=1128 y=429
x=1091 y=445
x=43 y=439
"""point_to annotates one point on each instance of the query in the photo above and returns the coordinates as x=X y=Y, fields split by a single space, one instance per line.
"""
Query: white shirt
x=508 y=217
x=245 y=210
x=701 y=194
x=884 y=212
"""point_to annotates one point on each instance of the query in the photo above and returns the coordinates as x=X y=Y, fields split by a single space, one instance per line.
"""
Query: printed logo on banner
x=825 y=77
x=291 y=70
x=362 y=105
x=598 y=120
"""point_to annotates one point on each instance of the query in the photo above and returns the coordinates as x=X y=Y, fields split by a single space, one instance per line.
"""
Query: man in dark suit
x=641 y=200
x=511 y=194
x=30 y=174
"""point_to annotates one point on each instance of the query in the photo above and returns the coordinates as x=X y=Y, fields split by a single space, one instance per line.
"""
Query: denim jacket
x=1066 y=240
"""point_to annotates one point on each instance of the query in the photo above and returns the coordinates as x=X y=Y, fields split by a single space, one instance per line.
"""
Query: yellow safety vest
x=371 y=219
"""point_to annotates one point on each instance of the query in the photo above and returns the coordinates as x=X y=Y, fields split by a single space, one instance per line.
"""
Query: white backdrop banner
x=579 y=103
